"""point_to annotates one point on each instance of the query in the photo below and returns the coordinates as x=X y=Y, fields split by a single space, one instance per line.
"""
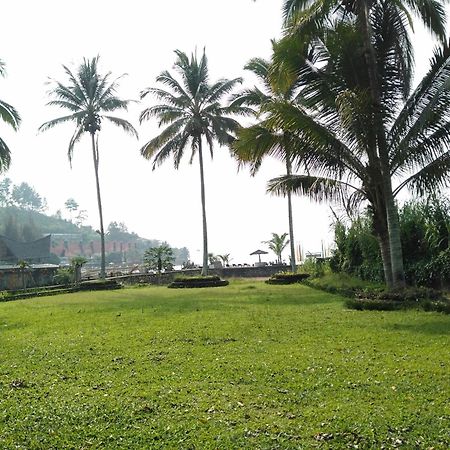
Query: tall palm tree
x=308 y=18
x=90 y=97
x=261 y=99
x=277 y=244
x=10 y=116
x=191 y=113
x=334 y=152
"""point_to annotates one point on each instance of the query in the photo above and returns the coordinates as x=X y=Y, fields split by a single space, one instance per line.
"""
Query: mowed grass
x=248 y=366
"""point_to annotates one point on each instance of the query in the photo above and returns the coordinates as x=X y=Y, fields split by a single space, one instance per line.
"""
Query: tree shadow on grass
x=435 y=327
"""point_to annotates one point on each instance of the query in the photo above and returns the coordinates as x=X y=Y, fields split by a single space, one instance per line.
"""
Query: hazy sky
x=138 y=38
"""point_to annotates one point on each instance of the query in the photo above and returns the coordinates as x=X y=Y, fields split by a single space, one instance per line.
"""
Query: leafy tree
x=159 y=258
x=276 y=140
x=71 y=205
x=26 y=197
x=277 y=244
x=118 y=230
x=10 y=116
x=5 y=192
x=90 y=97
x=192 y=112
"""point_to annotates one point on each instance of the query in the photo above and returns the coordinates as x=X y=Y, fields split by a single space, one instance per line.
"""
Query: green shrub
x=287 y=278
x=64 y=276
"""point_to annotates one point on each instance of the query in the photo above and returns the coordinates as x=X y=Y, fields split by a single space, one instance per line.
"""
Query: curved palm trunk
x=205 y=230
x=291 y=222
x=395 y=247
x=100 y=210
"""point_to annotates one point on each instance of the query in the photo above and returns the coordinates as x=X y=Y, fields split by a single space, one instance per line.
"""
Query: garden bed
x=287 y=278
x=198 y=282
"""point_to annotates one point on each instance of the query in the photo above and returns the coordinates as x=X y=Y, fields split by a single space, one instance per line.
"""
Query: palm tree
x=90 y=97
x=225 y=258
x=334 y=153
x=159 y=258
x=245 y=149
x=277 y=244
x=191 y=112
x=10 y=116
x=76 y=263
x=310 y=17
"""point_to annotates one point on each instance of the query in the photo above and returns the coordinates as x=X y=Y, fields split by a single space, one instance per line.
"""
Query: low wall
x=224 y=272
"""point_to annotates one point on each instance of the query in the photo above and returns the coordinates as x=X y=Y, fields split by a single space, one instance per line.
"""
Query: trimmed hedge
x=287 y=278
x=44 y=291
x=197 y=282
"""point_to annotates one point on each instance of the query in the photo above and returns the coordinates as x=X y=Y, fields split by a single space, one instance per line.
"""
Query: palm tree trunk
x=395 y=247
x=100 y=210
x=383 y=242
x=205 y=230
x=291 y=223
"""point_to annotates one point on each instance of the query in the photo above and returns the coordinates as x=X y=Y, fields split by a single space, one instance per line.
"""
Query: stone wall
x=224 y=272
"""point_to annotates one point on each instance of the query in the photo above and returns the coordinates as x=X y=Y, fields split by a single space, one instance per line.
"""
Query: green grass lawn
x=248 y=366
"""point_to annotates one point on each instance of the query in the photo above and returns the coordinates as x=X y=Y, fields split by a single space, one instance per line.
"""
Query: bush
x=287 y=278
x=63 y=276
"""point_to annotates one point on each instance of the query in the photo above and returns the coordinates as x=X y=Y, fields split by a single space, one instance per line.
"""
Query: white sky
x=138 y=38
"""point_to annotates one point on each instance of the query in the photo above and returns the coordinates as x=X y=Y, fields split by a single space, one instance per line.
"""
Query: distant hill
x=69 y=240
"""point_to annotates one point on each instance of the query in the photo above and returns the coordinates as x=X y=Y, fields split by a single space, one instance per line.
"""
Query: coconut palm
x=334 y=153
x=277 y=244
x=245 y=149
x=10 y=116
x=90 y=97
x=191 y=113
x=310 y=17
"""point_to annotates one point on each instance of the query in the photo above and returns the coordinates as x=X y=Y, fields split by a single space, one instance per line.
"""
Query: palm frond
x=5 y=156
x=74 y=139
x=124 y=124
x=51 y=123
x=432 y=178
x=9 y=115
x=316 y=188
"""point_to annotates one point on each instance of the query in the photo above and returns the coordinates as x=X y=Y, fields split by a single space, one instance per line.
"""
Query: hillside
x=70 y=240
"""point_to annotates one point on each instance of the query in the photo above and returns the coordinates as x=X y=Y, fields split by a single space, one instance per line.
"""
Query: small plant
x=64 y=275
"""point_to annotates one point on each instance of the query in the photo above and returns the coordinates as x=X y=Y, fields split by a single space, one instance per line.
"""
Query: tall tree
x=159 y=258
x=335 y=152
x=276 y=139
x=9 y=115
x=90 y=97
x=24 y=196
x=191 y=112
x=307 y=19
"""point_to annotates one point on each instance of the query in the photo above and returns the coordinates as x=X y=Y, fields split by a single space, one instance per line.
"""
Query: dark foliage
x=425 y=231
x=287 y=278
